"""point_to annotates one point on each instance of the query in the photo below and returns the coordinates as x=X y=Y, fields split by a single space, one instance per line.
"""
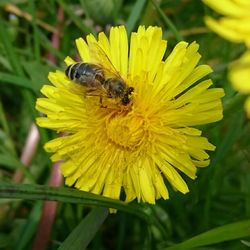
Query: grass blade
x=29 y=228
x=17 y=80
x=12 y=56
x=32 y=9
x=78 y=21
x=86 y=230
x=16 y=65
x=229 y=138
x=62 y=194
x=135 y=15
x=220 y=234
x=168 y=22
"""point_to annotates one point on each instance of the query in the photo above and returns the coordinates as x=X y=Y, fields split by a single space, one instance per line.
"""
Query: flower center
x=126 y=131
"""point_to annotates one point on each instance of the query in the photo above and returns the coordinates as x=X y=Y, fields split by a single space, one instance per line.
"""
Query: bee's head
x=126 y=97
x=130 y=90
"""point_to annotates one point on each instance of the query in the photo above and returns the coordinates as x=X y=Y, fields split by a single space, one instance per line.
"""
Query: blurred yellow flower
x=114 y=148
x=235 y=25
x=239 y=75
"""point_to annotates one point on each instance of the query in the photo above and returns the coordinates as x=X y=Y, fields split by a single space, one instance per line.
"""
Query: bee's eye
x=125 y=100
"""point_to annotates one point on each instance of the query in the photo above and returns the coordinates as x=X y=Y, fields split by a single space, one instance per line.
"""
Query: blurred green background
x=35 y=37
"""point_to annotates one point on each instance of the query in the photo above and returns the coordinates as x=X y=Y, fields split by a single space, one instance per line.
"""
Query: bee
x=100 y=80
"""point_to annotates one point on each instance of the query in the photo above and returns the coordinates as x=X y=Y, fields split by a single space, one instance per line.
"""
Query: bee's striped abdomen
x=85 y=73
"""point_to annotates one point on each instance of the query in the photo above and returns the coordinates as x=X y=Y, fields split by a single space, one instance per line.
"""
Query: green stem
x=168 y=22
x=3 y=120
x=6 y=129
x=35 y=31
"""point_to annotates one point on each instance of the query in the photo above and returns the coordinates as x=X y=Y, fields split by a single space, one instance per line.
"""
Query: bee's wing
x=98 y=91
x=84 y=91
x=103 y=60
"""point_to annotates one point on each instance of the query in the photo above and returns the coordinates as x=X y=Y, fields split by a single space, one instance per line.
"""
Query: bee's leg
x=101 y=105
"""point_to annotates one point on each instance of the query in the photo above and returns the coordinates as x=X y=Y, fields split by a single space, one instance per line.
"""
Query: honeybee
x=100 y=80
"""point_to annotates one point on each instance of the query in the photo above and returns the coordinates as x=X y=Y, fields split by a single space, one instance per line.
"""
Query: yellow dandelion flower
x=235 y=25
x=239 y=75
x=111 y=147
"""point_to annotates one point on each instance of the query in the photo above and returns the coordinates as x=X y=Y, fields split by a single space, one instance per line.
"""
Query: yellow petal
x=68 y=60
x=224 y=31
x=239 y=73
x=146 y=184
x=83 y=49
x=227 y=7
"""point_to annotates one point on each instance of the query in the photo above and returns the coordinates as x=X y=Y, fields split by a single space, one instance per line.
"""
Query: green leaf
x=229 y=137
x=168 y=22
x=5 y=63
x=217 y=235
x=62 y=194
x=37 y=72
x=29 y=228
x=135 y=15
x=231 y=134
x=70 y=195
x=246 y=243
x=17 y=80
x=5 y=241
x=9 y=161
x=16 y=67
x=46 y=44
x=4 y=2
x=78 y=21
x=10 y=52
x=85 y=231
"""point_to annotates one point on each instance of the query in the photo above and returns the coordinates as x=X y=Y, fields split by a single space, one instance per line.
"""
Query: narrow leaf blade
x=86 y=230
x=228 y=232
